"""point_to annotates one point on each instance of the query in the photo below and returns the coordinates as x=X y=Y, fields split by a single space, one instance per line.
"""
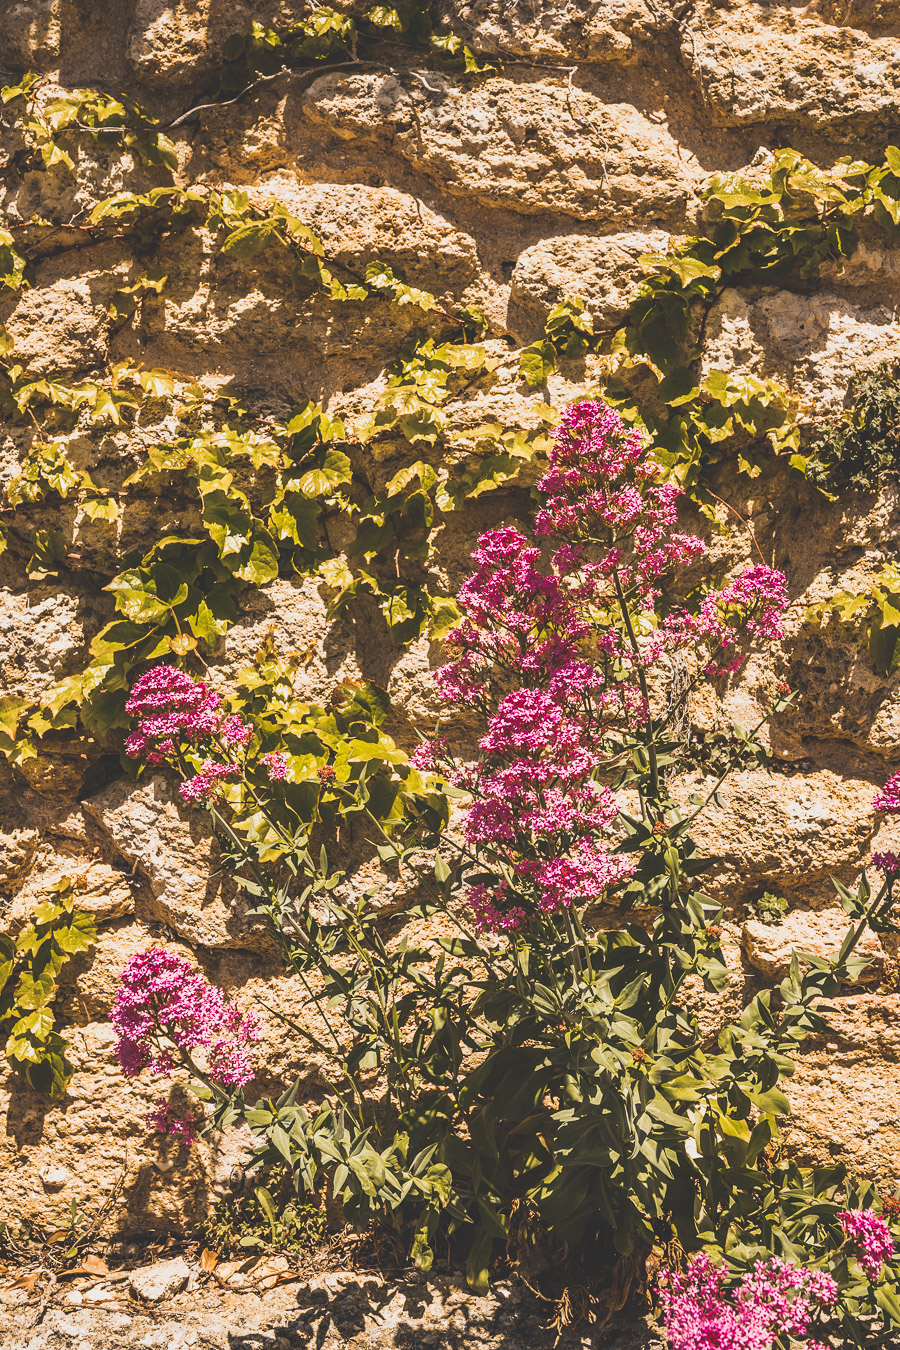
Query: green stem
x=642 y=680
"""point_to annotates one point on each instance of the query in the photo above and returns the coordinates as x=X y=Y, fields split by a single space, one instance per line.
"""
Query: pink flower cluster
x=172 y=711
x=428 y=754
x=177 y=718
x=774 y=1298
x=163 y=1005
x=276 y=765
x=544 y=654
x=872 y=1238
x=886 y=862
x=888 y=798
x=205 y=783
x=175 y=713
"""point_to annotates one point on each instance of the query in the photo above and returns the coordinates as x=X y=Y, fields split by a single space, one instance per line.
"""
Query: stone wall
x=550 y=177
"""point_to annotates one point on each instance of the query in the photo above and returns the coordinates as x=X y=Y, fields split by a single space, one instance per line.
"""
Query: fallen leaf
x=91 y=1265
x=208 y=1260
x=28 y=1282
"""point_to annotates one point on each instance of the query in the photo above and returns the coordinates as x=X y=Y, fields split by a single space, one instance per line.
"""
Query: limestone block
x=603 y=271
x=558 y=30
x=529 y=148
x=758 y=64
x=841 y=695
x=175 y=45
x=43 y=638
x=161 y=1280
x=783 y=833
x=30 y=34
x=844 y=1094
x=811 y=343
x=98 y=1136
x=174 y=848
x=60 y=325
x=88 y=986
x=872 y=16
x=359 y=224
x=219 y=319
x=101 y=890
x=769 y=947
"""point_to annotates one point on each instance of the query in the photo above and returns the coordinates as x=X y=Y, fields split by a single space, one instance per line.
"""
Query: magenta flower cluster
x=888 y=797
x=886 y=862
x=871 y=1238
x=774 y=1298
x=205 y=782
x=164 y=1006
x=276 y=765
x=544 y=654
x=175 y=715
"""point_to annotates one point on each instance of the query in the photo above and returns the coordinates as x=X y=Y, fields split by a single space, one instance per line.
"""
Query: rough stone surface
x=770 y=947
x=160 y=1281
x=615 y=31
x=784 y=833
x=758 y=64
x=813 y=344
x=175 y=45
x=342 y=1308
x=603 y=272
x=32 y=32
x=177 y=852
x=524 y=147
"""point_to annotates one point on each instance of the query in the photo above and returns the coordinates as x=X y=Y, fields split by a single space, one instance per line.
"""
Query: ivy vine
x=182 y=594
x=30 y=966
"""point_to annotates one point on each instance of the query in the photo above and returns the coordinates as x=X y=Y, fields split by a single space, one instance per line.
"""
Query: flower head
x=164 y=1005
x=774 y=1298
x=888 y=798
x=206 y=783
x=172 y=710
x=276 y=765
x=871 y=1237
x=166 y=1119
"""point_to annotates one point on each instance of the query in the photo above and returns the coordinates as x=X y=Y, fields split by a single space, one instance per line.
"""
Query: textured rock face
x=603 y=272
x=330 y=1311
x=172 y=46
x=549 y=177
x=755 y=63
x=522 y=147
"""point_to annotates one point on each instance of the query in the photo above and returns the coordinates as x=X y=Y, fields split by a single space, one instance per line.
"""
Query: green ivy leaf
x=537 y=363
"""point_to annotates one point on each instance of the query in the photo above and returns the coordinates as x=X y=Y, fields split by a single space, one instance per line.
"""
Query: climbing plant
x=30 y=965
x=860 y=448
x=264 y=489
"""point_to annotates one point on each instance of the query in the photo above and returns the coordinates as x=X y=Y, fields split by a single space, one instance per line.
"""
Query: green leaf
x=79 y=936
x=478 y=1262
x=679 y=387
x=334 y=470
x=100 y=508
x=262 y=565
x=246 y=241
x=537 y=363
x=281 y=1141
x=336 y=573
